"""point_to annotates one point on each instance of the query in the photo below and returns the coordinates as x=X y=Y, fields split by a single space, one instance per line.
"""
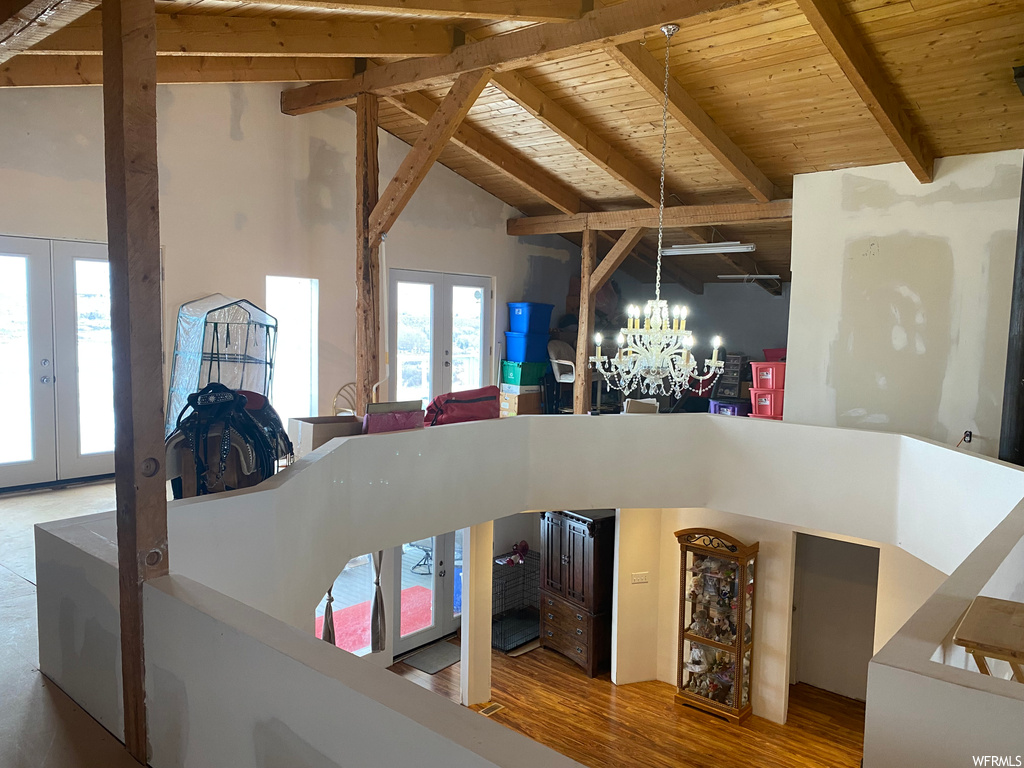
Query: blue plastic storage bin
x=526 y=347
x=529 y=317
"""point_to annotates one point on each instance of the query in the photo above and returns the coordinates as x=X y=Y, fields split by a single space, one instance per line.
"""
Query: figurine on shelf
x=696 y=586
x=700 y=625
x=698 y=659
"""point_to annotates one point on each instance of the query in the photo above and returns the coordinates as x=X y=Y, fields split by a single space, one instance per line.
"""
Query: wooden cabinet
x=716 y=623
x=577 y=550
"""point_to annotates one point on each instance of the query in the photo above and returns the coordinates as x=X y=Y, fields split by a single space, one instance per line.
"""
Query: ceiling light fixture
x=653 y=354
x=694 y=249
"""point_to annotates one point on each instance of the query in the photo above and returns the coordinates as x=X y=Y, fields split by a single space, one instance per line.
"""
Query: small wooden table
x=993 y=629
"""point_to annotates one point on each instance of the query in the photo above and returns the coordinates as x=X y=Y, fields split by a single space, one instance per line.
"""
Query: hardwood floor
x=641 y=725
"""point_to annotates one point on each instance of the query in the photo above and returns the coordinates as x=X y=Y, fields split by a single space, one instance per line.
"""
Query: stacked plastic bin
x=526 y=357
x=727 y=399
x=768 y=390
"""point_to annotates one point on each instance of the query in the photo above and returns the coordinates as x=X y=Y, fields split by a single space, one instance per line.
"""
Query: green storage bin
x=523 y=374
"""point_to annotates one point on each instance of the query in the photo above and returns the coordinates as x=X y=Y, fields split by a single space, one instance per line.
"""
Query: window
x=294 y=301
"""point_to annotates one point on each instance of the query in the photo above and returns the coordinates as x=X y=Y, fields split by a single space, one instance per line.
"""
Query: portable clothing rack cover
x=231 y=341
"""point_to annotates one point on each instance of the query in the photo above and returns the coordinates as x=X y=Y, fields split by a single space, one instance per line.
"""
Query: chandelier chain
x=664 y=151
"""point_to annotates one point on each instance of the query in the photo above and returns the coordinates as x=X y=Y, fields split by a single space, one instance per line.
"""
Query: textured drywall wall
x=246 y=191
x=901 y=297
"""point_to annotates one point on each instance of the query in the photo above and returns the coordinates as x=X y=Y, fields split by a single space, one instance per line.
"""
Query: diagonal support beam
x=445 y=121
x=532 y=178
x=592 y=146
x=650 y=74
x=23 y=23
x=614 y=258
x=871 y=83
x=522 y=48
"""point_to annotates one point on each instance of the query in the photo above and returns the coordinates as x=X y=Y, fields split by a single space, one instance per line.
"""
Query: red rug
x=352 y=624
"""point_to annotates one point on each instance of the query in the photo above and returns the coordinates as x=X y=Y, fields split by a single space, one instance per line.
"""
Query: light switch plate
x=640 y=578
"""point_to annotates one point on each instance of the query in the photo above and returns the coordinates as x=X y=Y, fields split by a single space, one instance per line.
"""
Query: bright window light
x=294 y=301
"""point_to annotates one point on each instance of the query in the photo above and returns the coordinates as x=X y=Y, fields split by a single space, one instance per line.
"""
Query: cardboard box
x=309 y=433
x=519 y=405
x=515 y=389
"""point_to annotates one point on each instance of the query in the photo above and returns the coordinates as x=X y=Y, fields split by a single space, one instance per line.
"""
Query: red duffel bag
x=455 y=407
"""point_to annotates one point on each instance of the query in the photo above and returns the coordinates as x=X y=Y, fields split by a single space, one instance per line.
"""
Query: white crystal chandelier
x=654 y=354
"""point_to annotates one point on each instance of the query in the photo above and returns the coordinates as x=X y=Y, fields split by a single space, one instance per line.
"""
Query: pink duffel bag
x=456 y=407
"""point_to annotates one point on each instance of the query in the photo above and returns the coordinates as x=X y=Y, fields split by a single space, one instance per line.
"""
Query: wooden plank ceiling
x=762 y=90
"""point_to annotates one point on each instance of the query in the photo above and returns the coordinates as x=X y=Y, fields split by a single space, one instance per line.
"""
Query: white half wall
x=247 y=192
x=900 y=300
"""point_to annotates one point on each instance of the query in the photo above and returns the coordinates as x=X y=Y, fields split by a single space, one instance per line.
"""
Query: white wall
x=246 y=191
x=901 y=298
x=748 y=318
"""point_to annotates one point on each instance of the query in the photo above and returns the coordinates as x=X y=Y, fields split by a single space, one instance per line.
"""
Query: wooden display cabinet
x=716 y=623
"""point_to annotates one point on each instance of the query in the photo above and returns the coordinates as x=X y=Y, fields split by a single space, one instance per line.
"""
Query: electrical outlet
x=640 y=578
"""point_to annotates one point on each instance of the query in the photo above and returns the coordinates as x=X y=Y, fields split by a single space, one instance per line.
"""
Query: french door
x=439 y=333
x=56 y=373
x=429 y=601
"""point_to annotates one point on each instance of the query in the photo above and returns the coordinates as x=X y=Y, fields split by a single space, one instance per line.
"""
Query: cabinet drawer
x=578 y=630
x=561 y=611
x=569 y=645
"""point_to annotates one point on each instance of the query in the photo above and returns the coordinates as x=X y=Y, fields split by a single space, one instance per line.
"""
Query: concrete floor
x=39 y=725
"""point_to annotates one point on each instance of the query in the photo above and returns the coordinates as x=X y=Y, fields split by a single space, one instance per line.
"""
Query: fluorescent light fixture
x=749 y=277
x=702 y=248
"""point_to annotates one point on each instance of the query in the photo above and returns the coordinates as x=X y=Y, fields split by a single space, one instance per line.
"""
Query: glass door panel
x=429 y=602
x=412 y=331
x=468 y=333
x=83 y=348
x=27 y=450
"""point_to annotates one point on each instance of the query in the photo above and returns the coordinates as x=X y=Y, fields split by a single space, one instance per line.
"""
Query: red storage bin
x=769 y=375
x=766 y=402
x=775 y=355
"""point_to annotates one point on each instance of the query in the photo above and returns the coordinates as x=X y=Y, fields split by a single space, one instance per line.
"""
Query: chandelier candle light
x=654 y=354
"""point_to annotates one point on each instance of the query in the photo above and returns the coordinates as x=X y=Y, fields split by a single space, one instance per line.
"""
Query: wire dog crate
x=515 y=599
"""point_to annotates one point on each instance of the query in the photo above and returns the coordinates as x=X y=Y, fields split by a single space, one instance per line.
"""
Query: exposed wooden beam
x=531 y=177
x=23 y=23
x=871 y=83
x=675 y=217
x=650 y=75
x=432 y=140
x=592 y=146
x=622 y=248
x=188 y=35
x=670 y=271
x=34 y=71
x=367 y=264
x=588 y=307
x=136 y=306
x=515 y=10
x=524 y=47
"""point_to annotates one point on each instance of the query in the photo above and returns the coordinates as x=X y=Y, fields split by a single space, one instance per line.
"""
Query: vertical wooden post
x=368 y=275
x=133 y=232
x=581 y=388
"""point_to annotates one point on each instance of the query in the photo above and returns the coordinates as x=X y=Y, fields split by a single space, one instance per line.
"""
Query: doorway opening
x=835 y=592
